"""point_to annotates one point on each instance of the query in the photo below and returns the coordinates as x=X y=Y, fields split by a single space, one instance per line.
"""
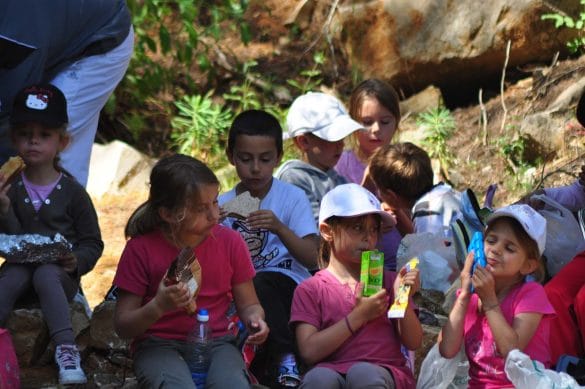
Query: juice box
x=372 y=271
x=398 y=308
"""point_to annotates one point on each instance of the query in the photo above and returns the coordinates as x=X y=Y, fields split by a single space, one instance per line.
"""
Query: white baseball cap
x=348 y=200
x=320 y=114
x=531 y=221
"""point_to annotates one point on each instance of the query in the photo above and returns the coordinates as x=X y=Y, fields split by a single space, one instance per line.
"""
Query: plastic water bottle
x=200 y=342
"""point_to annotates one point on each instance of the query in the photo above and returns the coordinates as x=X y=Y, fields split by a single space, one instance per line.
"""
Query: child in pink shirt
x=346 y=337
x=506 y=312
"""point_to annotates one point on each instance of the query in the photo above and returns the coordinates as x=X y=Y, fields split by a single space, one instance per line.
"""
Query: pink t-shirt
x=323 y=301
x=225 y=262
x=353 y=170
x=486 y=366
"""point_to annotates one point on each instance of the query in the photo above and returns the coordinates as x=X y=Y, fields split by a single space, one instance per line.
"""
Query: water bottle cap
x=203 y=315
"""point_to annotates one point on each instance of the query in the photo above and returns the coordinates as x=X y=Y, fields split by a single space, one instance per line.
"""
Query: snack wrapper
x=398 y=308
x=372 y=271
x=33 y=248
x=186 y=268
x=476 y=245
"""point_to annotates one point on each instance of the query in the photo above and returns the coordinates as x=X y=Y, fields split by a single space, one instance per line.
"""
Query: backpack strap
x=581 y=219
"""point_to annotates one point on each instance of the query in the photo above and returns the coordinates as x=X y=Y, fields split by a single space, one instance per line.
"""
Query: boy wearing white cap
x=317 y=123
x=506 y=311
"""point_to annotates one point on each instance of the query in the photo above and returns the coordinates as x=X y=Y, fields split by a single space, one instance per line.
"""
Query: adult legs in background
x=87 y=84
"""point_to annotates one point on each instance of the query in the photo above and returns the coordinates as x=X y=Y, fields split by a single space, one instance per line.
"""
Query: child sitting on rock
x=46 y=200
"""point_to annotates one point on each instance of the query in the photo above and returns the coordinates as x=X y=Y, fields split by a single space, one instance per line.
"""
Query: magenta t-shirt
x=323 y=301
x=225 y=262
x=486 y=366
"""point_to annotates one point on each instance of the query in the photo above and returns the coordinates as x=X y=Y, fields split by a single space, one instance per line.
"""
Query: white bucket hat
x=350 y=200
x=531 y=221
x=320 y=114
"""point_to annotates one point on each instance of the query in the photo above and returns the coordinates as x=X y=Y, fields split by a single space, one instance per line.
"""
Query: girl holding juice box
x=344 y=336
x=507 y=310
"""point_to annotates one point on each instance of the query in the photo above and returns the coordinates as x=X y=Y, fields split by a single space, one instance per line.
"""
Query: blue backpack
x=471 y=220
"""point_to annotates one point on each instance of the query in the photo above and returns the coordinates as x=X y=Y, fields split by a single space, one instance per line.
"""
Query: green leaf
x=165 y=39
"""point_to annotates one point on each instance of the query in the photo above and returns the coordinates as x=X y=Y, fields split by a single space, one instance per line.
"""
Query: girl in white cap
x=507 y=311
x=346 y=337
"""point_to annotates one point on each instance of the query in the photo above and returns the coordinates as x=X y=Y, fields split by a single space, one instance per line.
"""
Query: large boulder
x=117 y=168
x=417 y=43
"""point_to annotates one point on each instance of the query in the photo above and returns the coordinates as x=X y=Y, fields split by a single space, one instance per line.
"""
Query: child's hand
x=4 y=200
x=466 y=274
x=371 y=307
x=264 y=219
x=257 y=330
x=68 y=263
x=172 y=297
x=484 y=284
x=411 y=278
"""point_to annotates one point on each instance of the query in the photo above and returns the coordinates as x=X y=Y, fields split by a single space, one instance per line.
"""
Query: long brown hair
x=174 y=181
x=382 y=91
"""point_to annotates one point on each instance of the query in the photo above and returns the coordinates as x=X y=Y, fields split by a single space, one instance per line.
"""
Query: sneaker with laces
x=288 y=372
x=69 y=362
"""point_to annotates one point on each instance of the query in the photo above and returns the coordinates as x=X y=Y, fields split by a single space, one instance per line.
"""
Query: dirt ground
x=113 y=212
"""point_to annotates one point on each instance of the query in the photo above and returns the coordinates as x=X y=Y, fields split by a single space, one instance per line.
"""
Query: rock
x=431 y=300
x=105 y=357
x=544 y=134
x=417 y=43
x=30 y=334
x=102 y=332
x=117 y=168
x=428 y=98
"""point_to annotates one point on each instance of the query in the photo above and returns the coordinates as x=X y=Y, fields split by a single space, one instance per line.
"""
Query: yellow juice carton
x=372 y=271
x=398 y=309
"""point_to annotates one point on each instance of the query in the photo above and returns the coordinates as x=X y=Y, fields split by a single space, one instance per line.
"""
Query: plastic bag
x=437 y=263
x=563 y=234
x=437 y=372
x=525 y=373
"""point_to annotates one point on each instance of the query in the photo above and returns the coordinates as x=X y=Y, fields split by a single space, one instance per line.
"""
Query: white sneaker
x=69 y=362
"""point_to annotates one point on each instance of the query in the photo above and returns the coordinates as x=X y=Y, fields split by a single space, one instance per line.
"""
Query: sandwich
x=11 y=169
x=241 y=206
x=185 y=268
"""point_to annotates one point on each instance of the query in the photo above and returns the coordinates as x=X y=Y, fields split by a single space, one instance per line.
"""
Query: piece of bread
x=242 y=205
x=11 y=168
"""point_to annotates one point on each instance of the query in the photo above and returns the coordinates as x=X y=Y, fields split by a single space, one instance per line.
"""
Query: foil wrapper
x=33 y=248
